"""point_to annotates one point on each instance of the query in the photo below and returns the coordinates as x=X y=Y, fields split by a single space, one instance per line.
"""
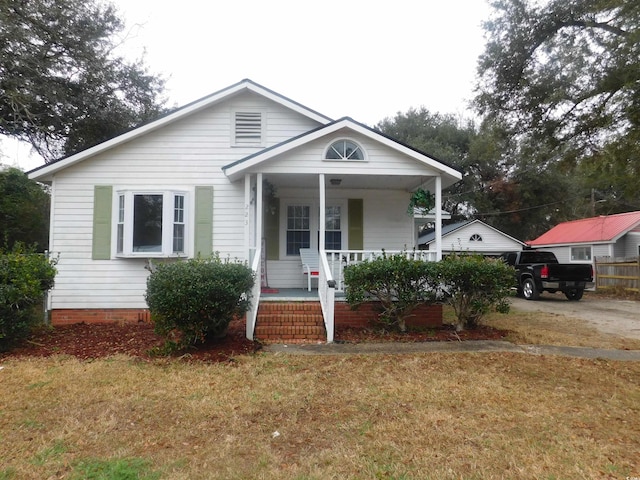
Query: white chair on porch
x=310 y=264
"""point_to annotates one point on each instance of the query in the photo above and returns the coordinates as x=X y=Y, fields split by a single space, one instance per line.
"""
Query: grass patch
x=115 y=469
x=538 y=328
x=423 y=416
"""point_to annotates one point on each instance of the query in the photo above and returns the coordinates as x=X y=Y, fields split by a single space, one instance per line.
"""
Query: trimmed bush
x=197 y=298
x=400 y=285
x=474 y=285
x=25 y=277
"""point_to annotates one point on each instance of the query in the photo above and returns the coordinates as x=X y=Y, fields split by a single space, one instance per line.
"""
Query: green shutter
x=102 y=202
x=272 y=229
x=203 y=232
x=356 y=224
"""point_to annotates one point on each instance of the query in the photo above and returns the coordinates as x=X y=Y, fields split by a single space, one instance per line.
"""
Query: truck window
x=510 y=258
x=538 y=257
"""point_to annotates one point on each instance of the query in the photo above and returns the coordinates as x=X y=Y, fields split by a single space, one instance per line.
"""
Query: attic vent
x=248 y=128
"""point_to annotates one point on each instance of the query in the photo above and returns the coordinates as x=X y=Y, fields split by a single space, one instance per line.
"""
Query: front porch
x=342 y=192
x=297 y=315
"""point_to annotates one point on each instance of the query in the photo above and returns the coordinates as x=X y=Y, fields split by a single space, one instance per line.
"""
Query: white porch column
x=323 y=223
x=438 y=218
x=259 y=214
x=247 y=216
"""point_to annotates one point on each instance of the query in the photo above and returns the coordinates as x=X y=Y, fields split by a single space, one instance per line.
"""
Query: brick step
x=288 y=333
x=294 y=307
x=290 y=322
x=290 y=319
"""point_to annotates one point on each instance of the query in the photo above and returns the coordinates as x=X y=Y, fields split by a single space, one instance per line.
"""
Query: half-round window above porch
x=475 y=238
x=344 y=149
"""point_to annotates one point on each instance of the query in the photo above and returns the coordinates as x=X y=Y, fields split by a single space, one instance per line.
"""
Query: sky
x=360 y=58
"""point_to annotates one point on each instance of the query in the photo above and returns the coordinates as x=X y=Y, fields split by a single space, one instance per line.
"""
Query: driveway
x=620 y=317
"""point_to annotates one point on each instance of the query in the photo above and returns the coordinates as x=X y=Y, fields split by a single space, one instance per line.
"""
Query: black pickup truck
x=538 y=271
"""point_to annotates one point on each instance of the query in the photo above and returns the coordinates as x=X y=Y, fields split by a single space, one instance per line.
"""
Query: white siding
x=179 y=156
x=632 y=244
x=602 y=250
x=493 y=241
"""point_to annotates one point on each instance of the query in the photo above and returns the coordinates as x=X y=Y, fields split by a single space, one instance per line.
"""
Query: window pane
x=147 y=223
x=120 y=228
x=178 y=238
x=344 y=150
x=120 y=240
x=333 y=240
x=178 y=209
x=298 y=217
x=121 y=209
x=297 y=240
x=352 y=151
x=332 y=218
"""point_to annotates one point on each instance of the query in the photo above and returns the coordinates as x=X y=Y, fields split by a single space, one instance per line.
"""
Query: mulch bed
x=91 y=341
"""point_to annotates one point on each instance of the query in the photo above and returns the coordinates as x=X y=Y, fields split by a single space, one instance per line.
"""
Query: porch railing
x=326 y=293
x=339 y=259
x=252 y=313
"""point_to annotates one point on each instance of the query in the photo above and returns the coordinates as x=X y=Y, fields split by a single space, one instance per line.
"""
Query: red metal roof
x=589 y=230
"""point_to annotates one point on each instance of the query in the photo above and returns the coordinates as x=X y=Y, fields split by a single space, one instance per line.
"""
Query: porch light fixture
x=335 y=181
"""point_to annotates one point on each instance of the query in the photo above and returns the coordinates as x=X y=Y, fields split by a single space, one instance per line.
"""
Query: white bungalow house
x=245 y=172
x=471 y=236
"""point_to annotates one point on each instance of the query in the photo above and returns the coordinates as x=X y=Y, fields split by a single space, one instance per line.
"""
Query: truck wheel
x=574 y=294
x=529 y=290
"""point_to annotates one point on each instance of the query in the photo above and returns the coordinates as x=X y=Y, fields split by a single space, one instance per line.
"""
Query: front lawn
x=430 y=416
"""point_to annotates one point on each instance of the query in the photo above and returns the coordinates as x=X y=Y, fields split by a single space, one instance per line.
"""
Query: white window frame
x=314 y=223
x=343 y=159
x=341 y=219
x=123 y=221
x=261 y=142
x=588 y=253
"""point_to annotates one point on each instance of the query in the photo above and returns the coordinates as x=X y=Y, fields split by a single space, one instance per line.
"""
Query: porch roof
x=351 y=174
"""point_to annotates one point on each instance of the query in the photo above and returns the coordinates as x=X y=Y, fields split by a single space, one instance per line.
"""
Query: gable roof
x=430 y=235
x=49 y=169
x=236 y=169
x=603 y=229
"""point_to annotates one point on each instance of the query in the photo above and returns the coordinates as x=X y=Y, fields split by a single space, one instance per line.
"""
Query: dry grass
x=433 y=416
x=547 y=329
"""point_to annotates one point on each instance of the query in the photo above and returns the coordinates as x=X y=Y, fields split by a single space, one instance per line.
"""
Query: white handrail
x=252 y=313
x=338 y=259
x=326 y=293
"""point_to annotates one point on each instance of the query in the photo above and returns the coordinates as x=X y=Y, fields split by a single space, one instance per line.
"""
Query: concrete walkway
x=391 y=348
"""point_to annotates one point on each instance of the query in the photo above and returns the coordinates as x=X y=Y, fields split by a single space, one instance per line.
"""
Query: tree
x=506 y=181
x=565 y=75
x=443 y=136
x=62 y=87
x=24 y=211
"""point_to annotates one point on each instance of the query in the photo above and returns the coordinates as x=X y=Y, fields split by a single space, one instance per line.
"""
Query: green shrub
x=400 y=285
x=474 y=285
x=25 y=276
x=197 y=298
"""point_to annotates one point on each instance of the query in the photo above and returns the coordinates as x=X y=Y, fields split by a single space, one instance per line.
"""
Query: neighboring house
x=471 y=236
x=245 y=172
x=581 y=241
